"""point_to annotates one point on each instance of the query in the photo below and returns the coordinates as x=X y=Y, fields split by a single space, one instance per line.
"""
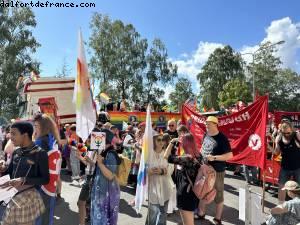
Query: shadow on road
x=127 y=209
x=231 y=176
x=63 y=213
x=231 y=189
x=128 y=190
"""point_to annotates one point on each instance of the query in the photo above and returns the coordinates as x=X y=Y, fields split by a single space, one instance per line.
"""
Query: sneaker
x=58 y=196
x=75 y=183
x=81 y=182
x=217 y=221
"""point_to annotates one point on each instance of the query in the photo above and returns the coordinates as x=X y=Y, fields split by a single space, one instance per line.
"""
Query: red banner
x=293 y=117
x=246 y=131
x=271 y=172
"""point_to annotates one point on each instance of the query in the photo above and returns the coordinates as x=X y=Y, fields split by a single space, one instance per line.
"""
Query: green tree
x=118 y=55
x=282 y=85
x=183 y=91
x=158 y=72
x=17 y=45
x=65 y=70
x=222 y=65
x=265 y=67
x=233 y=91
x=286 y=95
x=123 y=63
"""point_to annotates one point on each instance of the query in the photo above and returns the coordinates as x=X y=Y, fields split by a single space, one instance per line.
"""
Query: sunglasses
x=159 y=140
x=171 y=125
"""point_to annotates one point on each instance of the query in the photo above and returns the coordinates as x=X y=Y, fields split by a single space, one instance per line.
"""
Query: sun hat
x=212 y=119
x=291 y=186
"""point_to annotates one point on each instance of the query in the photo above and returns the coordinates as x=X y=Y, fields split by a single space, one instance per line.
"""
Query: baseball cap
x=212 y=119
x=291 y=186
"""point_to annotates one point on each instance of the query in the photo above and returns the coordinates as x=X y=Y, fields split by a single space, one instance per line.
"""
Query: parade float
x=51 y=95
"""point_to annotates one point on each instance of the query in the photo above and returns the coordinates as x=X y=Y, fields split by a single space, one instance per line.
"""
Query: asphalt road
x=66 y=209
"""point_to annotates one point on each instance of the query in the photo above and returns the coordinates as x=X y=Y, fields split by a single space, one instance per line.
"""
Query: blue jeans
x=75 y=164
x=157 y=214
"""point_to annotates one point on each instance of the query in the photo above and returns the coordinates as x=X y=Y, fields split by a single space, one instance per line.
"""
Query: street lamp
x=253 y=54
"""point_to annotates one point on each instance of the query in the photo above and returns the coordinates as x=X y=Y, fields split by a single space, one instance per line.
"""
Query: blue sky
x=190 y=29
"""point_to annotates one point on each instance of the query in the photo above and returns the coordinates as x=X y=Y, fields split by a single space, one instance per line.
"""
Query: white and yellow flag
x=83 y=98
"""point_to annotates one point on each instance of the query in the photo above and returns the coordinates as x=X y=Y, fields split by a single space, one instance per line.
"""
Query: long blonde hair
x=47 y=125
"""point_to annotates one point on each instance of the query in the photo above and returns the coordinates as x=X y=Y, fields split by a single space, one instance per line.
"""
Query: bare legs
x=187 y=217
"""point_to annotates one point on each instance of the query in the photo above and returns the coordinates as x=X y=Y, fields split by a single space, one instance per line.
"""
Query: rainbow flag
x=85 y=110
x=104 y=98
x=147 y=151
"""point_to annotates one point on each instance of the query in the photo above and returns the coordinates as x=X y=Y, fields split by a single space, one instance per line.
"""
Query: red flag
x=246 y=131
x=293 y=117
x=191 y=102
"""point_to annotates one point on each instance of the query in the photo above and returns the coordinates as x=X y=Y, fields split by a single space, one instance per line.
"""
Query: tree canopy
x=125 y=64
x=183 y=91
x=222 y=65
x=282 y=85
x=17 y=45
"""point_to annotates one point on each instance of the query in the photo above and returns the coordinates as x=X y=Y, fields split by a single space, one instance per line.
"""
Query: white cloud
x=168 y=89
x=190 y=64
x=281 y=30
x=285 y=29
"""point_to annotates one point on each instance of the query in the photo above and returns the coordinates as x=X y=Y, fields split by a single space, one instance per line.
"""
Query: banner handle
x=264 y=192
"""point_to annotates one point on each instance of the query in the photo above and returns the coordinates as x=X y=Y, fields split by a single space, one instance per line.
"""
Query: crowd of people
x=27 y=148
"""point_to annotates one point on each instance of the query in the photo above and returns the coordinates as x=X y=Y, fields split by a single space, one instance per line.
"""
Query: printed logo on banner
x=254 y=142
x=98 y=141
x=161 y=119
x=132 y=119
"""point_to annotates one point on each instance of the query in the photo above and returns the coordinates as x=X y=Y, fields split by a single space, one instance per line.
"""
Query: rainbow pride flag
x=85 y=110
x=104 y=98
x=147 y=150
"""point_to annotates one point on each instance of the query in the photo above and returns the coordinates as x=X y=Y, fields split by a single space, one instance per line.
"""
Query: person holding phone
x=105 y=194
x=160 y=188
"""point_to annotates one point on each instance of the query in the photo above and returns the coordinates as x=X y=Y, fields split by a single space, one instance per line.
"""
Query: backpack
x=123 y=170
x=203 y=186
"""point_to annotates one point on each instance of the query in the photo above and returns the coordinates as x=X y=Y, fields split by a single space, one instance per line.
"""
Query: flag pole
x=264 y=191
x=148 y=217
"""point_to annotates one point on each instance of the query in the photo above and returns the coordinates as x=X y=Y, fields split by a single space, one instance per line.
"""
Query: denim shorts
x=285 y=175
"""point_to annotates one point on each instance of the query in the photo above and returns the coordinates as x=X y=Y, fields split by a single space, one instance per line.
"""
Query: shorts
x=285 y=175
x=219 y=186
x=86 y=188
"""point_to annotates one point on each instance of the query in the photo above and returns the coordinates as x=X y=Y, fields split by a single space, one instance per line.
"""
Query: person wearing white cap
x=287 y=213
x=215 y=151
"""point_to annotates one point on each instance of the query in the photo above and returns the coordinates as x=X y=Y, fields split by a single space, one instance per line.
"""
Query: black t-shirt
x=173 y=134
x=215 y=145
x=290 y=154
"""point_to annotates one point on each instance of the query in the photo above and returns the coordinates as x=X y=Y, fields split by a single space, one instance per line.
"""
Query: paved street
x=66 y=210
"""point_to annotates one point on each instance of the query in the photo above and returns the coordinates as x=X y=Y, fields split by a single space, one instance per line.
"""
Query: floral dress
x=105 y=196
